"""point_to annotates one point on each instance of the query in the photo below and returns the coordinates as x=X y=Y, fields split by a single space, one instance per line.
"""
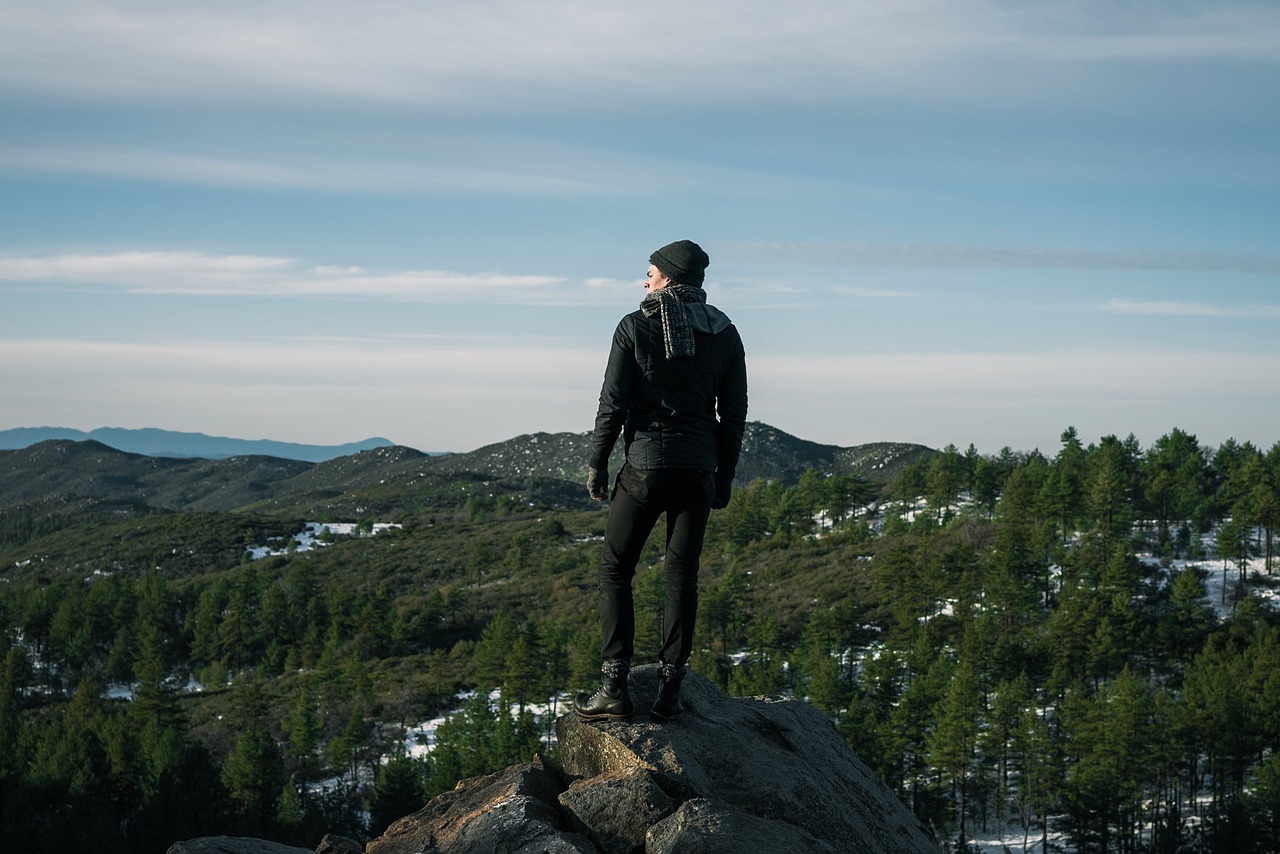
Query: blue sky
x=935 y=221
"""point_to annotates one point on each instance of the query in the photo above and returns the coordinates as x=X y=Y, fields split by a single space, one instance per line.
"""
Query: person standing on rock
x=675 y=388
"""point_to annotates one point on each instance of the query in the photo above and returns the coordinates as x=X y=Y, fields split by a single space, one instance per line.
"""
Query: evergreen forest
x=1080 y=647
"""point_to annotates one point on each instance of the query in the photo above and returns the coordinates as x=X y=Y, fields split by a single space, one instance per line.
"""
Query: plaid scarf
x=668 y=303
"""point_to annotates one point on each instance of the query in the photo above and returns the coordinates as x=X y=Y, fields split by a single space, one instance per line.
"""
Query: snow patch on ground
x=313 y=536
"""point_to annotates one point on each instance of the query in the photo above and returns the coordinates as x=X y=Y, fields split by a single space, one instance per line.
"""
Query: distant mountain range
x=171 y=443
x=62 y=471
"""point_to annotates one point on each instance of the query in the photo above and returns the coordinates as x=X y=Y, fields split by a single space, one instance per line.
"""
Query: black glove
x=598 y=483
x=724 y=489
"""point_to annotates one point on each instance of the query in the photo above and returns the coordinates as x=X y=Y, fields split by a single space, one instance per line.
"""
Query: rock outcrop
x=233 y=845
x=743 y=775
x=331 y=844
x=756 y=774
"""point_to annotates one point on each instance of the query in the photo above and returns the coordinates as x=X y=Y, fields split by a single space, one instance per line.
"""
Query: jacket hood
x=707 y=318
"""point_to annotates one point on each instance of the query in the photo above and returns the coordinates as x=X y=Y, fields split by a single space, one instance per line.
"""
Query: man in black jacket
x=675 y=387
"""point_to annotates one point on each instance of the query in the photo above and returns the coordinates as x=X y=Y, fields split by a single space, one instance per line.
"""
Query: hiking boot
x=668 y=706
x=611 y=702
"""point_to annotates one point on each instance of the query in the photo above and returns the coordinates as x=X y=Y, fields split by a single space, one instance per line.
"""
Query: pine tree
x=996 y=742
x=304 y=731
x=1065 y=485
x=1189 y=617
x=988 y=482
x=720 y=610
x=12 y=682
x=762 y=672
x=555 y=638
x=816 y=660
x=1112 y=473
x=1233 y=546
x=813 y=495
x=946 y=477
x=400 y=790
x=158 y=719
x=343 y=749
x=1264 y=800
x=848 y=492
x=207 y=621
x=521 y=669
x=650 y=597
x=952 y=744
x=1215 y=690
x=865 y=725
x=1039 y=783
x=1176 y=476
x=490 y=656
x=745 y=519
x=927 y=678
x=253 y=772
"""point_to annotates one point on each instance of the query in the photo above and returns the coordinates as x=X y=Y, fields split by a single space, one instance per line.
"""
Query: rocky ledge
x=733 y=774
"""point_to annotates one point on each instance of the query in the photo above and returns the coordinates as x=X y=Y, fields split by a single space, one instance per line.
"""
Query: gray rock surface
x=515 y=811
x=233 y=845
x=618 y=808
x=773 y=758
x=334 y=844
x=701 y=827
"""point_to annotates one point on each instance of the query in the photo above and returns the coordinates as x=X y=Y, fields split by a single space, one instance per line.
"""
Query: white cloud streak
x=297 y=172
x=472 y=361
x=1007 y=257
x=460 y=75
x=1189 y=309
x=203 y=274
x=454 y=54
x=457 y=163
x=196 y=273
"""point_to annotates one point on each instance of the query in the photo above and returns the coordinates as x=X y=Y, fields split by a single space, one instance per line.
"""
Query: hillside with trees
x=1083 y=646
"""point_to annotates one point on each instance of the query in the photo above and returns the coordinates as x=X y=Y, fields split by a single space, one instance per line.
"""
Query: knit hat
x=682 y=262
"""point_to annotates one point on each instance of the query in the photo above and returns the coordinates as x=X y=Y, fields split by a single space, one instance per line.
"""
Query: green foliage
x=480 y=739
x=253 y=773
x=400 y=789
x=953 y=743
x=981 y=631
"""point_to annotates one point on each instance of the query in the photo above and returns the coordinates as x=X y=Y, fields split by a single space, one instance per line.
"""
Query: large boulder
x=514 y=811
x=733 y=775
x=777 y=760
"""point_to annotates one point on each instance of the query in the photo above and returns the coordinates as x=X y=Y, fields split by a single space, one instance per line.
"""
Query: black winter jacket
x=674 y=413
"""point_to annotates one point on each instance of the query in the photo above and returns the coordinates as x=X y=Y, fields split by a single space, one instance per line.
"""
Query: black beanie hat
x=683 y=262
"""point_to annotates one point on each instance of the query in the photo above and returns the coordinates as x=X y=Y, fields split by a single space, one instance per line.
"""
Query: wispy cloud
x=196 y=273
x=461 y=162
x=452 y=54
x=142 y=270
x=1189 y=309
x=1007 y=257
x=873 y=293
x=1159 y=31
x=298 y=172
x=490 y=362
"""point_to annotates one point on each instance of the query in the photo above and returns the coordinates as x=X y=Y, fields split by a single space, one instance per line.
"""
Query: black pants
x=639 y=498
